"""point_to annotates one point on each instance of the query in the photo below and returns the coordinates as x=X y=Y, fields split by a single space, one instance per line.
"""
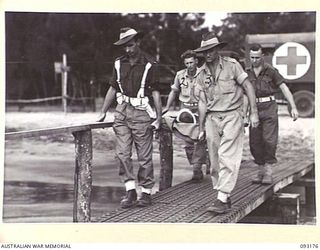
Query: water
x=26 y=201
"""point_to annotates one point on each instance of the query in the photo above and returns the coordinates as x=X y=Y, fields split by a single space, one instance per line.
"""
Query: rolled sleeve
x=277 y=78
x=240 y=74
x=174 y=88
x=243 y=76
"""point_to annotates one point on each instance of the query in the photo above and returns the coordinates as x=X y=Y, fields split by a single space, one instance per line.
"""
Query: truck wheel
x=304 y=100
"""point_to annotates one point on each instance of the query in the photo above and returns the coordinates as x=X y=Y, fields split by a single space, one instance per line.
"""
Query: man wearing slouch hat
x=133 y=83
x=221 y=89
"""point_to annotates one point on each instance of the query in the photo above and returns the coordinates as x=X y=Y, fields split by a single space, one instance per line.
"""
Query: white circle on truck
x=292 y=60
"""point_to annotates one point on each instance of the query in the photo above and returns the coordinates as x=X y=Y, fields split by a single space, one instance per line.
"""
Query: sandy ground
x=51 y=159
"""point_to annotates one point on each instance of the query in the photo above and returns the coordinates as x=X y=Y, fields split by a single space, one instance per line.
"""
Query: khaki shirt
x=222 y=90
x=267 y=82
x=185 y=84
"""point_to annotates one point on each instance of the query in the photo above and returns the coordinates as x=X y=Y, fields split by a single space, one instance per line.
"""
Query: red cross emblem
x=292 y=60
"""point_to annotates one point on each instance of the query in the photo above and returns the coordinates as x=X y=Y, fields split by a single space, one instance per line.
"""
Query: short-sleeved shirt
x=223 y=90
x=185 y=85
x=267 y=82
x=131 y=75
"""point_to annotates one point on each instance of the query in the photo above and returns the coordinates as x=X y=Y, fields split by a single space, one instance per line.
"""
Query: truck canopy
x=270 y=40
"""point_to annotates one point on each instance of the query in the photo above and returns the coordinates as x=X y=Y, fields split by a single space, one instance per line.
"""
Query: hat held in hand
x=186 y=116
x=185 y=126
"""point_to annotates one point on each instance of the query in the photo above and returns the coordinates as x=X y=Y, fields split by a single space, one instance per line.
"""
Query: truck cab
x=293 y=54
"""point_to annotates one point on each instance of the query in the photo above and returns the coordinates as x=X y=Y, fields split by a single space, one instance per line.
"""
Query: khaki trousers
x=132 y=127
x=224 y=133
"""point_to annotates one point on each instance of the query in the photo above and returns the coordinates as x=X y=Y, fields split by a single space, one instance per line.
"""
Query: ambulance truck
x=293 y=54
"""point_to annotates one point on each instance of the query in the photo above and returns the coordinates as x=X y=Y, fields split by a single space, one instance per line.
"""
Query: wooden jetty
x=187 y=202
x=182 y=203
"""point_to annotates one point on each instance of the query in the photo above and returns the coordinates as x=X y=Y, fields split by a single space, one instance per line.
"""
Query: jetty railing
x=83 y=160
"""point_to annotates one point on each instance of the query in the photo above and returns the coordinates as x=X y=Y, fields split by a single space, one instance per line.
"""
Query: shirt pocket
x=185 y=88
x=267 y=87
x=227 y=84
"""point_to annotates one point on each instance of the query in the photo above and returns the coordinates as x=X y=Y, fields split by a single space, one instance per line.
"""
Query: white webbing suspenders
x=119 y=96
x=141 y=101
x=143 y=80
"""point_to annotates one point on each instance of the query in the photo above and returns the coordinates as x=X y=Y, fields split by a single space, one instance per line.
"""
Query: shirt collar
x=264 y=68
x=207 y=70
x=198 y=70
x=141 y=58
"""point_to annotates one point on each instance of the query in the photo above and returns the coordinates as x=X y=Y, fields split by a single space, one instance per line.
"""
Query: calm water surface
x=51 y=202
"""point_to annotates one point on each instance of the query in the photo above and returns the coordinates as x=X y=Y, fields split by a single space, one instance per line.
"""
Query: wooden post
x=166 y=158
x=64 y=79
x=83 y=176
x=288 y=207
x=308 y=182
x=310 y=189
x=281 y=208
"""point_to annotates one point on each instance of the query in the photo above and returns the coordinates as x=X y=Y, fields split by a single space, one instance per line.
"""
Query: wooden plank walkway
x=187 y=202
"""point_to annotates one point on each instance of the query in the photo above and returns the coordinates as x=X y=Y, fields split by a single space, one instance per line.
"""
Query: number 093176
x=309 y=246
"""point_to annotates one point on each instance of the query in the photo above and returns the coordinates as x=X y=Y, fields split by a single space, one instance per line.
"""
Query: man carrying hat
x=133 y=82
x=184 y=84
x=220 y=90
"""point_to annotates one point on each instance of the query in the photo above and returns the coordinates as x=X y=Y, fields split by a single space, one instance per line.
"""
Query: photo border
x=160 y=233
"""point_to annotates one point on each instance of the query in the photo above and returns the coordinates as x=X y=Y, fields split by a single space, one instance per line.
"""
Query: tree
x=237 y=25
x=36 y=40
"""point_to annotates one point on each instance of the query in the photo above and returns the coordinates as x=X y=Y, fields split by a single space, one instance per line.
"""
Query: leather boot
x=258 y=178
x=197 y=175
x=130 y=199
x=145 y=200
x=219 y=207
x=267 y=178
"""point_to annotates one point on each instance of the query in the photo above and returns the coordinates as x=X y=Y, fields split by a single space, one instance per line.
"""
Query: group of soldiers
x=215 y=97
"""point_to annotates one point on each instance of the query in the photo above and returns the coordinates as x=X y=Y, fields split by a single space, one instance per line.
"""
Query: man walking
x=266 y=81
x=134 y=80
x=222 y=82
x=184 y=84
